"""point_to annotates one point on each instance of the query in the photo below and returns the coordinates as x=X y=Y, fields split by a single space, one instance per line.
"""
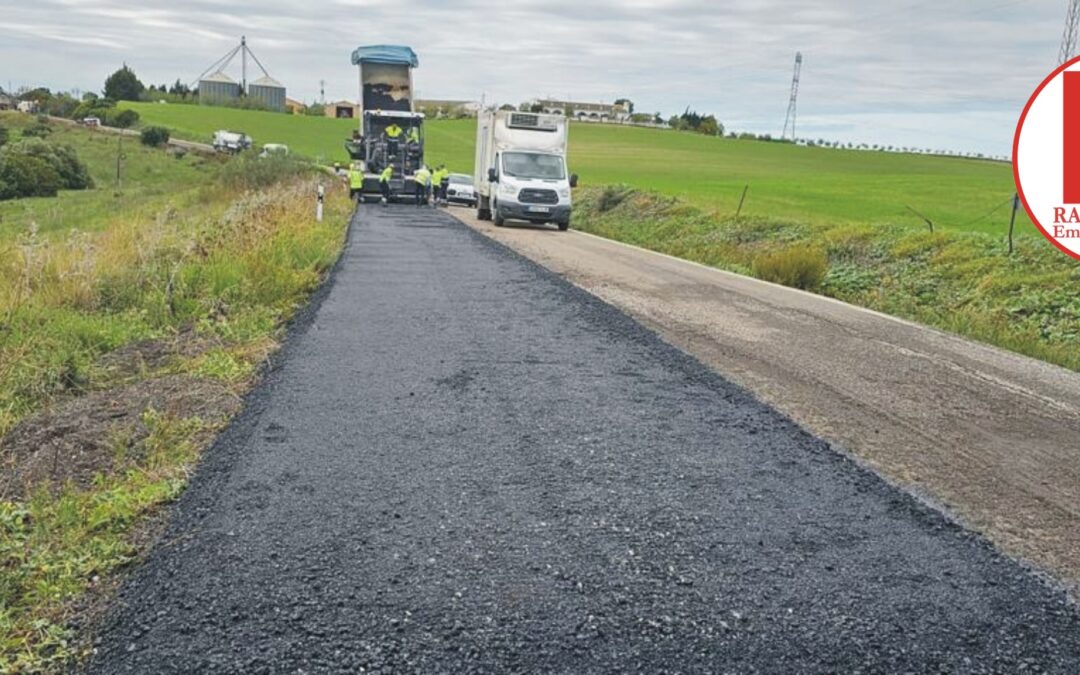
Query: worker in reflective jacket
x=356 y=181
x=384 y=183
x=423 y=184
x=393 y=141
x=440 y=180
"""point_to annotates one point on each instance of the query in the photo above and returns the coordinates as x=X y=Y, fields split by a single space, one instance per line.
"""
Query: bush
x=27 y=176
x=797 y=267
x=248 y=171
x=35 y=168
x=154 y=136
x=3 y=136
x=121 y=119
x=92 y=107
x=612 y=196
x=36 y=131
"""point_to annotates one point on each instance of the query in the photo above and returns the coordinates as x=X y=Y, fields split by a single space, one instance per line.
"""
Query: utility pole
x=1070 y=34
x=243 y=65
x=793 y=102
x=322 y=92
x=119 y=159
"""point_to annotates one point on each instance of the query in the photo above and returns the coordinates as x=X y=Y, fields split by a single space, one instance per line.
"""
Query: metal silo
x=218 y=88
x=269 y=91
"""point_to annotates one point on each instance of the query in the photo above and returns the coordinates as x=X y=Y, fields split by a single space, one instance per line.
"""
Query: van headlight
x=507 y=189
x=564 y=193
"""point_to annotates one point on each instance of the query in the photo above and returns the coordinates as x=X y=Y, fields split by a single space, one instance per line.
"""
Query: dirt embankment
x=98 y=432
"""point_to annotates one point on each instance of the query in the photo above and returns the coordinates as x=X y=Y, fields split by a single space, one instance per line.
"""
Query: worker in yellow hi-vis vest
x=356 y=182
x=423 y=185
x=384 y=183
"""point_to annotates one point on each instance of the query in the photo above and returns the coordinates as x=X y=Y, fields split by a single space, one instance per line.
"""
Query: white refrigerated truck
x=520 y=170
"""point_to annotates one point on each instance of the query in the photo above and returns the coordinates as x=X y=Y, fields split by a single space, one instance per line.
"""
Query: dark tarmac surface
x=463 y=463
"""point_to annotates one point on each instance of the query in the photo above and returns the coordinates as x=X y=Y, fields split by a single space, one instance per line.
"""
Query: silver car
x=460 y=190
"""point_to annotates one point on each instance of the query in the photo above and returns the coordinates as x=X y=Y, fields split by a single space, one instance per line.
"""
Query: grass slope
x=810 y=185
x=150 y=179
x=157 y=307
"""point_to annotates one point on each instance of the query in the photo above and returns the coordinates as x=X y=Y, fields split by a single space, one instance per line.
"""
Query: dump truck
x=386 y=106
x=520 y=170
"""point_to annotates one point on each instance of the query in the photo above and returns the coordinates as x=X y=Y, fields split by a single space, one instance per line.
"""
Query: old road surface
x=462 y=463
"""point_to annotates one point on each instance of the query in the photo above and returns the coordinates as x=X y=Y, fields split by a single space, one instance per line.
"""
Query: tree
x=627 y=102
x=506 y=106
x=123 y=85
x=40 y=95
x=710 y=127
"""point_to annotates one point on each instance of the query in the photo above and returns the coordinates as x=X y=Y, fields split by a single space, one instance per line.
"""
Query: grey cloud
x=929 y=73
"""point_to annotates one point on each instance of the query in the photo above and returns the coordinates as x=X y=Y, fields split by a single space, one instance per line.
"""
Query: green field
x=150 y=180
x=812 y=185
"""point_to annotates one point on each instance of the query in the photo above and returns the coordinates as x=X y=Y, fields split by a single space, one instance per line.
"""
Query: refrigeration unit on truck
x=520 y=171
x=389 y=132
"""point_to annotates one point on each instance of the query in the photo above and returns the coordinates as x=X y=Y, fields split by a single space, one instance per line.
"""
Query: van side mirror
x=493 y=176
x=573 y=180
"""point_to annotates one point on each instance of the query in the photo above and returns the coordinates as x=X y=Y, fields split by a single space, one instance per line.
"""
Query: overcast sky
x=952 y=74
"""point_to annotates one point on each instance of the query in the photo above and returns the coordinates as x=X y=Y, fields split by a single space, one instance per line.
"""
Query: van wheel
x=564 y=225
x=499 y=219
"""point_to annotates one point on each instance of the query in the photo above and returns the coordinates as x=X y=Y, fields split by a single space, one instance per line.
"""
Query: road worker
x=356 y=182
x=423 y=185
x=440 y=180
x=414 y=135
x=384 y=183
x=393 y=140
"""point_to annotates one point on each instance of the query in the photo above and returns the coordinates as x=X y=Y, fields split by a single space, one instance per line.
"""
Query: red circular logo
x=1046 y=158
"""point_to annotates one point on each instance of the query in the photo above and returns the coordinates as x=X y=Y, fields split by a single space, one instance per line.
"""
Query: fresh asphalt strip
x=461 y=462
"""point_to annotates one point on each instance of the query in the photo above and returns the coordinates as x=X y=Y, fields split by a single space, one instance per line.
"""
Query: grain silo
x=218 y=88
x=269 y=91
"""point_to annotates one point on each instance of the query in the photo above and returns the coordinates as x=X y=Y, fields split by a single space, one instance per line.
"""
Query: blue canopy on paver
x=393 y=54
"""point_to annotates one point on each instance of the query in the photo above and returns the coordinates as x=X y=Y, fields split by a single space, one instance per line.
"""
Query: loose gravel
x=462 y=463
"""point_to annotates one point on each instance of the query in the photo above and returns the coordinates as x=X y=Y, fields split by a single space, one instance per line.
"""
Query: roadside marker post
x=1012 y=220
x=319 y=203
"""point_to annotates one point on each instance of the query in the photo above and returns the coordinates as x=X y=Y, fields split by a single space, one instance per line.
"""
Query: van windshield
x=533 y=165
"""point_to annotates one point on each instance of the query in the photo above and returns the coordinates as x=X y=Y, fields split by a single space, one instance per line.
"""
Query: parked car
x=274 y=149
x=460 y=190
x=90 y=121
x=231 y=141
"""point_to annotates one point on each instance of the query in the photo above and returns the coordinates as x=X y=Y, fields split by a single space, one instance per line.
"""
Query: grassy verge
x=123 y=348
x=963 y=282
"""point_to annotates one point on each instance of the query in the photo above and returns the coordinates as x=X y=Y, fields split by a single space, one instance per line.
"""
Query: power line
x=792 y=110
x=1069 y=35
